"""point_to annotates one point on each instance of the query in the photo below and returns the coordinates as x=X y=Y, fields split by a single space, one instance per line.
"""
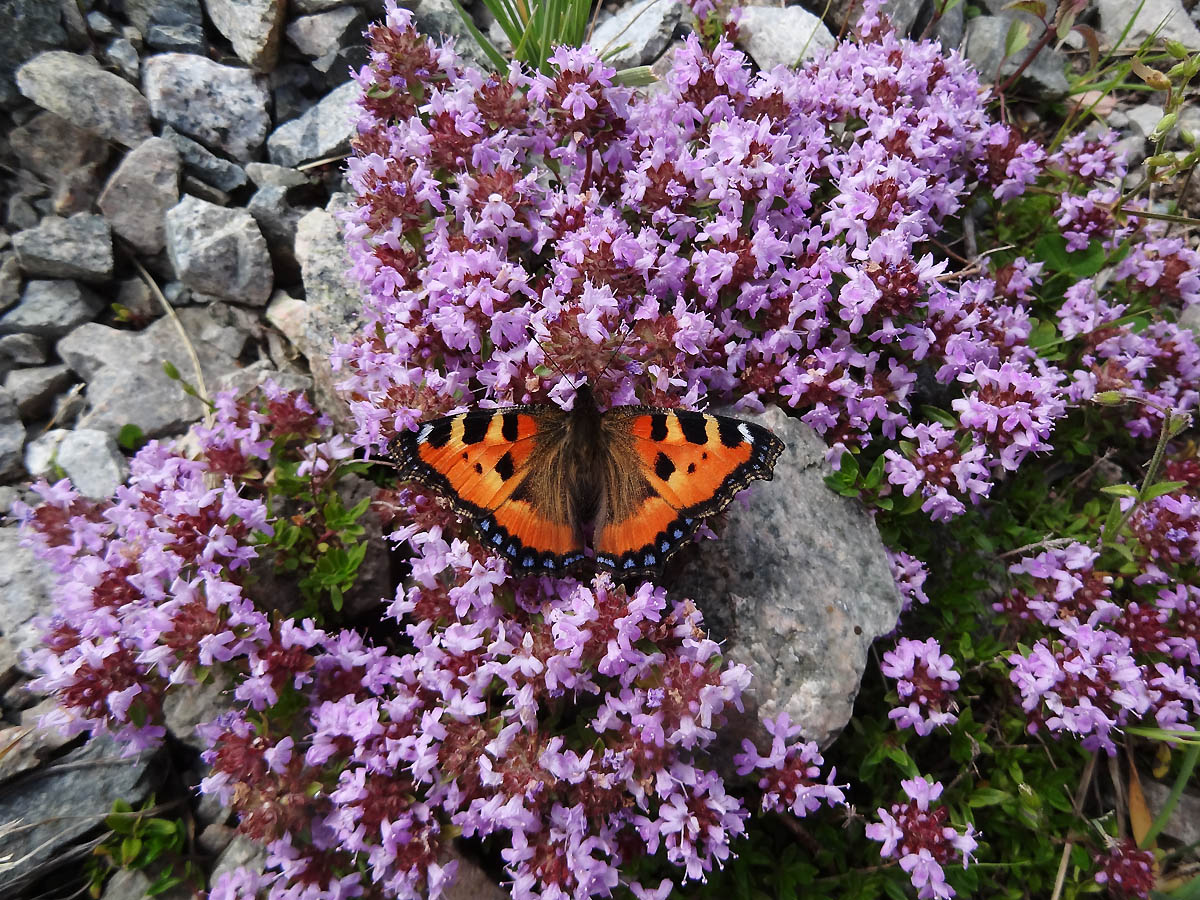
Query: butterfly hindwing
x=691 y=465
x=484 y=462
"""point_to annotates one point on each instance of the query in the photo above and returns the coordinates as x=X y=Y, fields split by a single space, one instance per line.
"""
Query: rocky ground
x=173 y=167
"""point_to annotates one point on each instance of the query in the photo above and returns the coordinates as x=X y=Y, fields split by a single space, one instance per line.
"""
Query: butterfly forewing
x=486 y=462
x=692 y=465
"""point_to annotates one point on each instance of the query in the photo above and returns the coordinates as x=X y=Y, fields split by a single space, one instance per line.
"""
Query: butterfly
x=537 y=481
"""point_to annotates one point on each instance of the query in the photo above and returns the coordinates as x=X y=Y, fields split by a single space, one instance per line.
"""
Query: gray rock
x=34 y=389
x=124 y=370
x=332 y=309
x=245 y=380
x=221 y=106
x=197 y=188
x=135 y=884
x=31 y=746
x=76 y=88
x=219 y=251
x=41 y=454
x=326 y=32
x=292 y=84
x=277 y=217
x=144 y=13
x=78 y=247
x=139 y=193
x=123 y=56
x=776 y=36
x=339 y=66
x=638 y=34
x=26 y=584
x=1190 y=318
x=12 y=440
x=1184 y=822
x=100 y=25
x=77 y=190
x=177 y=38
x=984 y=46
x=93 y=462
x=21 y=350
x=49 y=145
x=207 y=166
x=438 y=18
x=1116 y=14
x=252 y=26
x=1189 y=121
x=307 y=7
x=324 y=130
x=67 y=801
x=797 y=587
x=187 y=705
x=10 y=281
x=1144 y=117
x=30 y=26
x=51 y=309
x=241 y=853
x=269 y=175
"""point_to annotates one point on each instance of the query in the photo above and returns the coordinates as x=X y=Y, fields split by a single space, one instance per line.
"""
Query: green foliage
x=141 y=841
x=533 y=29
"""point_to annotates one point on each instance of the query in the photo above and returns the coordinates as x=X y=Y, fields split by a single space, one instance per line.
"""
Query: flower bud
x=1108 y=398
x=1177 y=50
x=1165 y=124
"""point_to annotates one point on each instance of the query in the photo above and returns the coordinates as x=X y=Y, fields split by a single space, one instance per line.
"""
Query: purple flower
x=916 y=832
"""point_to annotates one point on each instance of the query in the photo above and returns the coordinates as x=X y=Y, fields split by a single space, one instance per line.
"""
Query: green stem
x=1190 y=756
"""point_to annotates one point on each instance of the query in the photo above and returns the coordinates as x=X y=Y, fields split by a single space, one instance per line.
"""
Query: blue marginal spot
x=678 y=533
x=665 y=546
x=629 y=564
x=550 y=564
x=527 y=562
x=485 y=525
x=649 y=561
x=497 y=539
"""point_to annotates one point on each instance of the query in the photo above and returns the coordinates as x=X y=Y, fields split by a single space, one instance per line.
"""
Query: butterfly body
x=541 y=483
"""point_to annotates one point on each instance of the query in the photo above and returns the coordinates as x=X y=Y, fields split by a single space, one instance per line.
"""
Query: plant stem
x=1080 y=792
x=1045 y=39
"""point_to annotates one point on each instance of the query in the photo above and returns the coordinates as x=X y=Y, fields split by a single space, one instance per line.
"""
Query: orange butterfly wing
x=692 y=464
x=482 y=461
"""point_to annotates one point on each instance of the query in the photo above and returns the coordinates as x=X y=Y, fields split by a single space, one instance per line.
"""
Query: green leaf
x=1017 y=37
x=987 y=797
x=1052 y=249
x=171 y=371
x=1121 y=490
x=131 y=436
x=1161 y=488
x=163 y=883
x=130 y=848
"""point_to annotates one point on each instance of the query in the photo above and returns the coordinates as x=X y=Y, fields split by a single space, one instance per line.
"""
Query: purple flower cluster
x=918 y=835
x=1107 y=658
x=925 y=677
x=1126 y=871
x=789 y=771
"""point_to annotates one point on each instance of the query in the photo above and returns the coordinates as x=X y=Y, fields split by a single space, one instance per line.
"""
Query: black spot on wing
x=694 y=426
x=658 y=427
x=728 y=431
x=663 y=467
x=478 y=468
x=691 y=468
x=504 y=466
x=439 y=433
x=475 y=428
x=509 y=428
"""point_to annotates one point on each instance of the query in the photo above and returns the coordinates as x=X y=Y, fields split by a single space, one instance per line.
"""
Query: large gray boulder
x=797 y=587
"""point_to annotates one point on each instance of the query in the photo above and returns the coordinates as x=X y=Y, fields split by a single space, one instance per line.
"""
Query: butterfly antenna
x=550 y=359
x=624 y=338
